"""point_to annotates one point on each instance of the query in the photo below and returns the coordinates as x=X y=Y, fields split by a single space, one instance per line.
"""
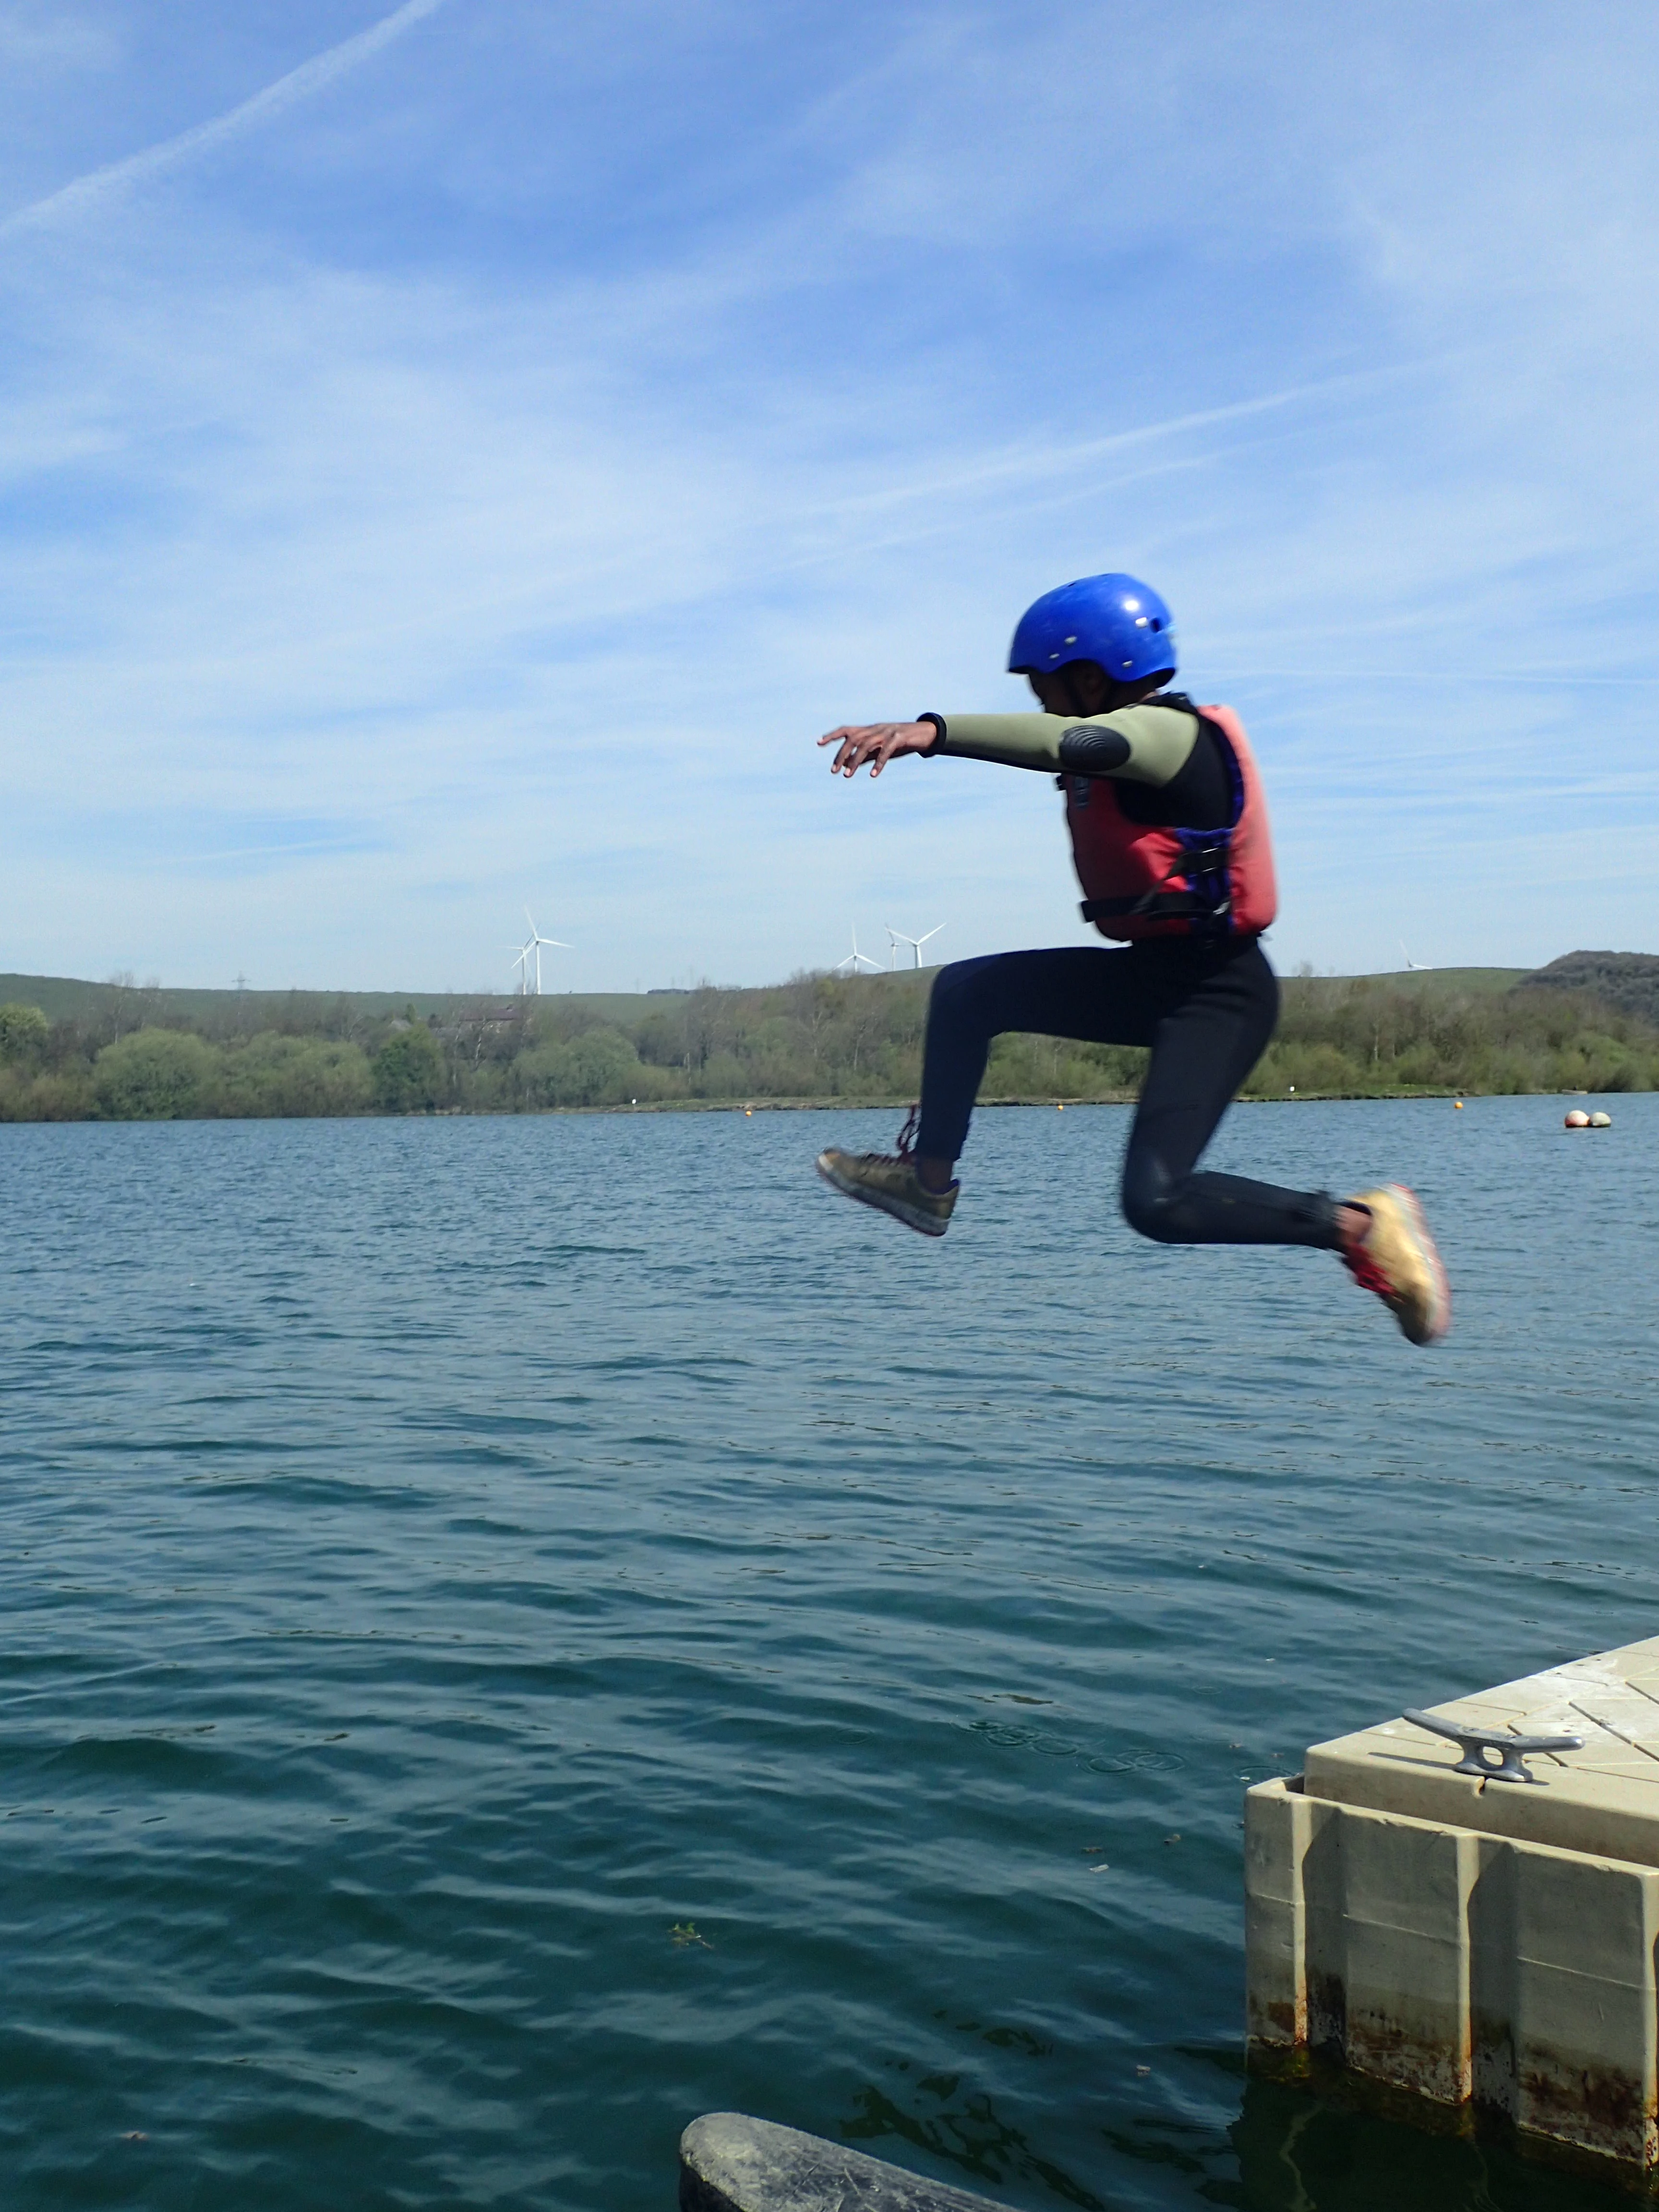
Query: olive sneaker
x=1397 y=1259
x=890 y=1182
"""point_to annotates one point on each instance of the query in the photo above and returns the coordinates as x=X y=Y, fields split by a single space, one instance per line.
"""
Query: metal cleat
x=1494 y=1756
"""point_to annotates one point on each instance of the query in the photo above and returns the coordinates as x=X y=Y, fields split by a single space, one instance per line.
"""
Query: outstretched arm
x=1143 y=744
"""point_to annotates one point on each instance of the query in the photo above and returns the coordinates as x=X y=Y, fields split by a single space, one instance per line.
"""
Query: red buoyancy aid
x=1140 y=881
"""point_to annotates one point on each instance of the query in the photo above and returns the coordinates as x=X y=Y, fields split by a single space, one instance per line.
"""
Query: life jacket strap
x=1159 y=905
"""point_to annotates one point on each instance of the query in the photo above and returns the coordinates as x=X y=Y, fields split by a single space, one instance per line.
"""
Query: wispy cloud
x=1030 y=464
x=100 y=187
x=528 y=539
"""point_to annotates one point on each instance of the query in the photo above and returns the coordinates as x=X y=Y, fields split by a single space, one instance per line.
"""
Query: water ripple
x=424 y=1595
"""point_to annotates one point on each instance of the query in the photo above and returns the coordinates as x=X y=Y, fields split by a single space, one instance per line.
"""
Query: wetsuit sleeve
x=1141 y=745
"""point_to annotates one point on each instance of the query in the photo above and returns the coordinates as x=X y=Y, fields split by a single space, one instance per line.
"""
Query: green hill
x=1628 y=980
x=66 y=997
x=72 y=1050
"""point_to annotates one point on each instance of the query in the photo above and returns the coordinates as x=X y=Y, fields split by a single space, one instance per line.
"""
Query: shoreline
x=748 y=1107
x=982 y=1105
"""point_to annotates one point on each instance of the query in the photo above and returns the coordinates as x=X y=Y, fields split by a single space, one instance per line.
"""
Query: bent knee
x=956 y=976
x=1153 y=1208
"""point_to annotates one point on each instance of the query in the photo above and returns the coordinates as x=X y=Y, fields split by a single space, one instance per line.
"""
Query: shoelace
x=906 y=1135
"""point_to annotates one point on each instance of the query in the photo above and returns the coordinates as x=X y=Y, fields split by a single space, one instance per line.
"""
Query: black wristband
x=938 y=745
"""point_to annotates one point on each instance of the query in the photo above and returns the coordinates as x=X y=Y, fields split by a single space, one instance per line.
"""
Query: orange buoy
x=1576 y=1120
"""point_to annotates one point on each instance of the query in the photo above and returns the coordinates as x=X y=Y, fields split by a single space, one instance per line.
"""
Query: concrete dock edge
x=1466 y=1968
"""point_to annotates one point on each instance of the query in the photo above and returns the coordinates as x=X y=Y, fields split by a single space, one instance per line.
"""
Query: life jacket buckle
x=1212 y=859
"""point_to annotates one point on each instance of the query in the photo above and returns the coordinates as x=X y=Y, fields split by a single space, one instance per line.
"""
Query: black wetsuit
x=1207 y=1009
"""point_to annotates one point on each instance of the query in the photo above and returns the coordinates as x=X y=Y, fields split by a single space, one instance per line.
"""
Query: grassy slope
x=65 y=997
x=62 y=997
x=1446 y=983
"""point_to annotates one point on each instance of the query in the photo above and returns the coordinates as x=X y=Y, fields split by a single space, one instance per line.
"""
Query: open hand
x=877 y=743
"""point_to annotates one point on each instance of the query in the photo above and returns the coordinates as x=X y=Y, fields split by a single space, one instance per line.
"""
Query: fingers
x=848 y=739
x=853 y=742
x=857 y=743
x=885 y=750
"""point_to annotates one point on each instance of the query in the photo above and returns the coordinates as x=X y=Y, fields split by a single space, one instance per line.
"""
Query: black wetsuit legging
x=1207 y=1012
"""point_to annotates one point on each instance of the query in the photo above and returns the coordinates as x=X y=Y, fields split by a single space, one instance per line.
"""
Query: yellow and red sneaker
x=1396 y=1258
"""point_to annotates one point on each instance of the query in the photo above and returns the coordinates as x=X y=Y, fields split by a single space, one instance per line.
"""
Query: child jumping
x=1170 y=837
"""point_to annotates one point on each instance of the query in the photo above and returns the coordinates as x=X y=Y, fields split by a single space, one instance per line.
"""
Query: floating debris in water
x=682 y=1932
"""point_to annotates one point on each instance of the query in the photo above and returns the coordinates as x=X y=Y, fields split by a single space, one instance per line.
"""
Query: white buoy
x=1601 y=1121
x=1576 y=1120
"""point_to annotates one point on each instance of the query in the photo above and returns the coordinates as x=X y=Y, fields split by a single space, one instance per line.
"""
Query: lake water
x=444 y=1558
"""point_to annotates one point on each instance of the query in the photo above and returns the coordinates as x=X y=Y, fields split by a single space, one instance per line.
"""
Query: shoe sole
x=925 y=1224
x=1438 y=1320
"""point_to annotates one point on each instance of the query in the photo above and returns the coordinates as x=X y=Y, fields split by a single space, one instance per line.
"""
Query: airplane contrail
x=1022 y=463
x=119 y=177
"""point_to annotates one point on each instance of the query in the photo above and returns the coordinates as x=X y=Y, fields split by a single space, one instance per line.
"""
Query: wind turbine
x=896 y=937
x=1417 y=967
x=521 y=961
x=536 y=941
x=855 y=960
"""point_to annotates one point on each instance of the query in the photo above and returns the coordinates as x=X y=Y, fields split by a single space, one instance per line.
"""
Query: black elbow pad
x=1090 y=750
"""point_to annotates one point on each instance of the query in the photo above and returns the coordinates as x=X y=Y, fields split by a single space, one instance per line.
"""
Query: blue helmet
x=1115 y=620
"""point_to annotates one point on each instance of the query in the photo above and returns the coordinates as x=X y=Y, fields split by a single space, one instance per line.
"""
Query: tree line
x=136 y=1057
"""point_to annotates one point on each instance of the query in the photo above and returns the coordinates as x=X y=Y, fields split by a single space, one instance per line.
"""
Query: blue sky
x=461 y=455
